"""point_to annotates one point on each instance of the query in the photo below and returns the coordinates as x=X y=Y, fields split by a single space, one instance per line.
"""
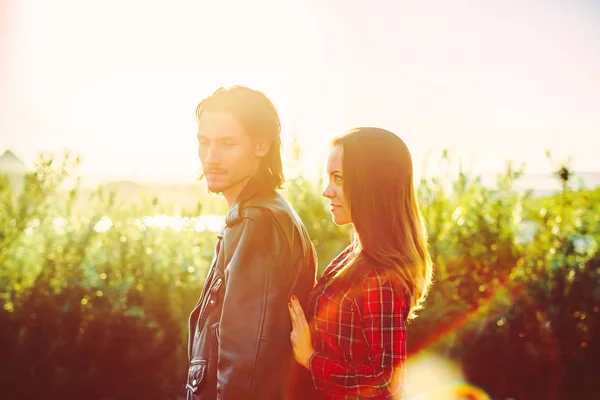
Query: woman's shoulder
x=379 y=280
x=365 y=277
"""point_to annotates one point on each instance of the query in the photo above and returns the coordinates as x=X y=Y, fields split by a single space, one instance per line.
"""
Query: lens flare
x=431 y=377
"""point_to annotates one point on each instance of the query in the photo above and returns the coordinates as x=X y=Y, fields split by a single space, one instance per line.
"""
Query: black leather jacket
x=239 y=344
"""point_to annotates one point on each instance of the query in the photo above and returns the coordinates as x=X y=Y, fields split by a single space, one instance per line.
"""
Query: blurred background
x=106 y=234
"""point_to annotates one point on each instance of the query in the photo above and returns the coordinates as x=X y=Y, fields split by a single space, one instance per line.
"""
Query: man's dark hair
x=259 y=118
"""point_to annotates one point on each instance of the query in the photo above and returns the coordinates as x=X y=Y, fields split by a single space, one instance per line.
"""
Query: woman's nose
x=328 y=193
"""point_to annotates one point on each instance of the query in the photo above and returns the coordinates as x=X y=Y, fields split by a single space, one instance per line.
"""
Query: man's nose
x=213 y=155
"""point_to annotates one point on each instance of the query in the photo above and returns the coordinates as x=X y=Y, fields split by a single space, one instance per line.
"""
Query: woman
x=354 y=342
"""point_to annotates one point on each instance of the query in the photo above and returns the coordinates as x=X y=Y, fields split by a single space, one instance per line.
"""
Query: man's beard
x=229 y=185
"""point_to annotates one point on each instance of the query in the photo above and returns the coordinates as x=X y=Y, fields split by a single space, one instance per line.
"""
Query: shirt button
x=194 y=382
x=212 y=301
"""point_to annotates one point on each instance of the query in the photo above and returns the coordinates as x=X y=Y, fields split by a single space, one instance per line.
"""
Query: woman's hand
x=300 y=336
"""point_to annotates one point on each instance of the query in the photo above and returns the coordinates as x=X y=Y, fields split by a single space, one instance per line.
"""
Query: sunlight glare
x=431 y=377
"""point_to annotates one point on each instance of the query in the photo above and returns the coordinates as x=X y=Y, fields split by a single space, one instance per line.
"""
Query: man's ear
x=262 y=147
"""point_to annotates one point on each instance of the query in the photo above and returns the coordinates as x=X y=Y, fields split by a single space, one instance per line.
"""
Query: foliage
x=90 y=312
x=94 y=304
x=516 y=299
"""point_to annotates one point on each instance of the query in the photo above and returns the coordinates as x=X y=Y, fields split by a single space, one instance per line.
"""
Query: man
x=239 y=343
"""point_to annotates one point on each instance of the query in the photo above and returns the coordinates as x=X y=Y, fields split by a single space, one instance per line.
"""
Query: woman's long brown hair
x=389 y=229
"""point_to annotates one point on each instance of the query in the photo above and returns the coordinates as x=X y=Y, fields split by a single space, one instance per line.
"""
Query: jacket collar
x=258 y=185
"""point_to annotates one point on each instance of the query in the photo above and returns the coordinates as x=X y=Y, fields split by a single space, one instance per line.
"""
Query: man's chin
x=216 y=188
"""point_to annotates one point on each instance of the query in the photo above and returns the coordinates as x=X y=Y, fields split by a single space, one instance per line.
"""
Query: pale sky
x=118 y=81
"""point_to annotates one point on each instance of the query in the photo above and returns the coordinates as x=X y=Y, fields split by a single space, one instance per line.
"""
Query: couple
x=264 y=328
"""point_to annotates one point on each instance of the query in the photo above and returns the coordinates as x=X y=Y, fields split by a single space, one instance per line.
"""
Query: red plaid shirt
x=359 y=335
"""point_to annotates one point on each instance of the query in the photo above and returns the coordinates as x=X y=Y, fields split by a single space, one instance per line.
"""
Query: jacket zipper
x=201 y=304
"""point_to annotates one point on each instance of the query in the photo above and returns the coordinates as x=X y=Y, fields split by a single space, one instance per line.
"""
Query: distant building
x=14 y=168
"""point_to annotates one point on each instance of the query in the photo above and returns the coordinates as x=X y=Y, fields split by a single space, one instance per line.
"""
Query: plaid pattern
x=359 y=335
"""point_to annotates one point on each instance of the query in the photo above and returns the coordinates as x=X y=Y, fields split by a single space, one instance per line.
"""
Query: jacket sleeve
x=383 y=312
x=245 y=308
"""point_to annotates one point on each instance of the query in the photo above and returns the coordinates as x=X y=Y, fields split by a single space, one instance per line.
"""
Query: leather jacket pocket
x=195 y=375
x=213 y=296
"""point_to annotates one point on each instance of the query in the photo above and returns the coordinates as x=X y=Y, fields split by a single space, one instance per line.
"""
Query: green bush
x=92 y=314
x=519 y=314
x=94 y=304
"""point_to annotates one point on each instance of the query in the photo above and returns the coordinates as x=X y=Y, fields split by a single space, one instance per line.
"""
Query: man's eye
x=229 y=143
x=337 y=178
